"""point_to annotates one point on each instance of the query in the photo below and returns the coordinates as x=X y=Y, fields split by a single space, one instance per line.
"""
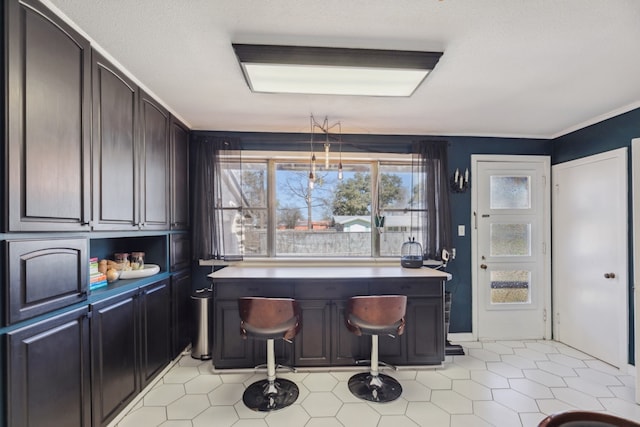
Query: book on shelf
x=97 y=277
x=97 y=285
x=93 y=265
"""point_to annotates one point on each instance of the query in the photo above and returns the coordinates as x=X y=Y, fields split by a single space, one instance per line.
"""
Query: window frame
x=273 y=158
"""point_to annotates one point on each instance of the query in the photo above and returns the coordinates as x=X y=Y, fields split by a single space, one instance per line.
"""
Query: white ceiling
x=517 y=68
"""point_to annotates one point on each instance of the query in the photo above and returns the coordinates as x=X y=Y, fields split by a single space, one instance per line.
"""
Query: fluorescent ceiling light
x=333 y=71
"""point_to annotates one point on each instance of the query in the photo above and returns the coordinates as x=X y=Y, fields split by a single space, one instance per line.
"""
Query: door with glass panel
x=511 y=259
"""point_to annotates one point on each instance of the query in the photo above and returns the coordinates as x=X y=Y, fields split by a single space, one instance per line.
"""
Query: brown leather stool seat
x=269 y=319
x=375 y=315
x=585 y=419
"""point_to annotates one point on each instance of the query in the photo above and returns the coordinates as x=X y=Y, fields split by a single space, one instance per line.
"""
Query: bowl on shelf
x=146 y=271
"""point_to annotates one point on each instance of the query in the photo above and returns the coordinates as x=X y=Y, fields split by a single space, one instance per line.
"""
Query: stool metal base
x=264 y=396
x=380 y=388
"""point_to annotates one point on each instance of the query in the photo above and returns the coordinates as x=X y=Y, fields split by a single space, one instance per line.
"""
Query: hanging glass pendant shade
x=411 y=254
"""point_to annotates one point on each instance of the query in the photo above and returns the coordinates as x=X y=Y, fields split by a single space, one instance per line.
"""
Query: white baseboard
x=461 y=337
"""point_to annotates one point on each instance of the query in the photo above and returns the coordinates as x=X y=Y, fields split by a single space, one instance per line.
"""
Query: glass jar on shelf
x=122 y=259
x=137 y=260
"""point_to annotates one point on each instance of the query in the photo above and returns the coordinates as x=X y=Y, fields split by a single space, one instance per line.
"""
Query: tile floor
x=504 y=383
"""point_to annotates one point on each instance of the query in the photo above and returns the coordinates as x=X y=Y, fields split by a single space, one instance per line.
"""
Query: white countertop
x=324 y=272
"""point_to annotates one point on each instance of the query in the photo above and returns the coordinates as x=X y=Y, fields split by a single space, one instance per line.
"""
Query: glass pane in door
x=510 y=287
x=510 y=192
x=509 y=239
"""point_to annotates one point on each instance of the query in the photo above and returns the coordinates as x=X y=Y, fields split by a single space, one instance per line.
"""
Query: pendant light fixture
x=325 y=128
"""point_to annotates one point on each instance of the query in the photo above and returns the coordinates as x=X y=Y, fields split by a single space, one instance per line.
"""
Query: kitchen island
x=322 y=291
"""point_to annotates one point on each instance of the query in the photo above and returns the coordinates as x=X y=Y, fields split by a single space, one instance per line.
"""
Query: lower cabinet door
x=114 y=336
x=230 y=350
x=313 y=342
x=424 y=331
x=346 y=347
x=155 y=336
x=48 y=372
x=182 y=312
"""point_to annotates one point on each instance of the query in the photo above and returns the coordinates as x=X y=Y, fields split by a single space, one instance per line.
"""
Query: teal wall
x=604 y=136
x=460 y=151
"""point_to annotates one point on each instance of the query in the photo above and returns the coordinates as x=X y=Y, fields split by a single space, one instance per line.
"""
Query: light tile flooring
x=504 y=383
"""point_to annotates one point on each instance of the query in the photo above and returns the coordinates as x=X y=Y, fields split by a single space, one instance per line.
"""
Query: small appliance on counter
x=411 y=254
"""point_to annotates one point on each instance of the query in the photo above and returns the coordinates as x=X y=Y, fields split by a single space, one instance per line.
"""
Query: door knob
x=483 y=266
x=609 y=275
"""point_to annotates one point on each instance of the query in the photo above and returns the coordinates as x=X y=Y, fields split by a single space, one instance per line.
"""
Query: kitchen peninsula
x=322 y=290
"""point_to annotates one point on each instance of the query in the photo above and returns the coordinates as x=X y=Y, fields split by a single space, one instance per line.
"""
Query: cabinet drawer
x=253 y=289
x=44 y=275
x=330 y=289
x=407 y=287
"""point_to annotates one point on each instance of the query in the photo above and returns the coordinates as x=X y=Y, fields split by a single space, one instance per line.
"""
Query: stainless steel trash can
x=201 y=341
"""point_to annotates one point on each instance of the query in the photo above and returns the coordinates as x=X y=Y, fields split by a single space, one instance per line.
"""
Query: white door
x=590 y=255
x=635 y=168
x=511 y=259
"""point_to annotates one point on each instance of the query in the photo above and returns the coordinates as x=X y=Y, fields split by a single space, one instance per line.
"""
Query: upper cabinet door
x=48 y=121
x=154 y=164
x=179 y=176
x=114 y=155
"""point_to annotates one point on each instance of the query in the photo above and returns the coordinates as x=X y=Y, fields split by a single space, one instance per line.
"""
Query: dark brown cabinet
x=115 y=348
x=48 y=378
x=346 y=347
x=130 y=346
x=230 y=350
x=115 y=148
x=181 y=323
x=48 y=120
x=43 y=275
x=424 y=319
x=132 y=156
x=313 y=342
x=154 y=165
x=155 y=315
x=423 y=339
x=180 y=251
x=324 y=339
x=179 y=175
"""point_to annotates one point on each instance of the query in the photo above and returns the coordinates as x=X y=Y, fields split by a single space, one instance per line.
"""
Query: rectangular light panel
x=334 y=71
x=333 y=80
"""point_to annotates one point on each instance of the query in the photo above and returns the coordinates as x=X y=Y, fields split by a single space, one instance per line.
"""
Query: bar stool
x=269 y=319
x=577 y=418
x=375 y=315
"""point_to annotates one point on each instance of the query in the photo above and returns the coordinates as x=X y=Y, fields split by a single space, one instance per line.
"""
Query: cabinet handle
x=483 y=266
x=609 y=275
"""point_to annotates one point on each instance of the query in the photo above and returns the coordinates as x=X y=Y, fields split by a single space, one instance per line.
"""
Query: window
x=270 y=210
